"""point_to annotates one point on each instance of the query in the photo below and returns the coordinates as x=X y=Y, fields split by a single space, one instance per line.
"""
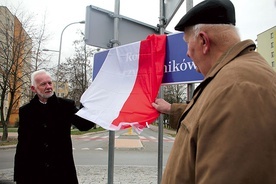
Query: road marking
x=142 y=138
x=85 y=149
x=99 y=149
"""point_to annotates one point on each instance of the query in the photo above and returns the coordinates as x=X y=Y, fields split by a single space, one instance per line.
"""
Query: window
x=272 y=54
x=273 y=64
x=271 y=35
x=272 y=44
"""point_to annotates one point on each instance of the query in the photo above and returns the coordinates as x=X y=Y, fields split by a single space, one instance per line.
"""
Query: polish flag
x=128 y=82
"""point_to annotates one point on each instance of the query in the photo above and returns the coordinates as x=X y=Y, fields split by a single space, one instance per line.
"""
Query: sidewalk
x=11 y=134
x=99 y=175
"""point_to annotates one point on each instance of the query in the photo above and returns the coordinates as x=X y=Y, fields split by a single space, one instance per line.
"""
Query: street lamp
x=59 y=52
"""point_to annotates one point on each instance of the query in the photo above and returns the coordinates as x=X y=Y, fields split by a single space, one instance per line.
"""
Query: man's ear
x=33 y=89
x=205 y=42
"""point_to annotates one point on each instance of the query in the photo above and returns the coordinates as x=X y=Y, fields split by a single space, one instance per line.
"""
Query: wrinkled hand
x=162 y=106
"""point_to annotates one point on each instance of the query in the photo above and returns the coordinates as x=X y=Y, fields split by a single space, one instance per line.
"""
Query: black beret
x=208 y=12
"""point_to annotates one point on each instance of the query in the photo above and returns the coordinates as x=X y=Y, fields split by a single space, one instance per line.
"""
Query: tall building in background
x=267 y=46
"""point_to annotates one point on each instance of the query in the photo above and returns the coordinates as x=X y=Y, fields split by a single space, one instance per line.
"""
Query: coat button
x=46 y=145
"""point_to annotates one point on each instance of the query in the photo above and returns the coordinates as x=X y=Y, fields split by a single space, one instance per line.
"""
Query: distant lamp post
x=59 y=52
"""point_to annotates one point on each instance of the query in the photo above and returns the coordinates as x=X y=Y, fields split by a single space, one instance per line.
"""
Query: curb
x=8 y=147
x=155 y=128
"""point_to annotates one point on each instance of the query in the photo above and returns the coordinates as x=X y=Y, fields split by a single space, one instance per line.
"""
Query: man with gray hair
x=227 y=133
x=44 y=150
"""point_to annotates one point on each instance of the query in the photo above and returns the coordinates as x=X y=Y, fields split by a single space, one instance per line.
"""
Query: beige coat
x=228 y=134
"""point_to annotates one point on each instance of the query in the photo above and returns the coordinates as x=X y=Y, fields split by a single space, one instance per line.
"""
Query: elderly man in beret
x=227 y=133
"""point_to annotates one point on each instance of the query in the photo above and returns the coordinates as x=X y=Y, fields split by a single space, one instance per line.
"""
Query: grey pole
x=59 y=51
x=111 y=145
x=189 y=5
x=161 y=95
x=190 y=86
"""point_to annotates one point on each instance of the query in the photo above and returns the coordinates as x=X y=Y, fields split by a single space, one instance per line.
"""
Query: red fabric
x=138 y=106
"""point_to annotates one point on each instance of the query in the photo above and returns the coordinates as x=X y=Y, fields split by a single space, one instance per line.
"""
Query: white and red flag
x=128 y=82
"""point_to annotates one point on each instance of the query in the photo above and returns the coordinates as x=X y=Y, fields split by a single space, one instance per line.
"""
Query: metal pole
x=59 y=51
x=190 y=86
x=161 y=94
x=189 y=5
x=111 y=145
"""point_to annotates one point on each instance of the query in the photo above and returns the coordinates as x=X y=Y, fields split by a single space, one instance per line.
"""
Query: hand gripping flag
x=128 y=82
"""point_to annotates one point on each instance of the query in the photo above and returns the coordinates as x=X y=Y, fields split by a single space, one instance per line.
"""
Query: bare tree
x=78 y=69
x=16 y=62
x=176 y=93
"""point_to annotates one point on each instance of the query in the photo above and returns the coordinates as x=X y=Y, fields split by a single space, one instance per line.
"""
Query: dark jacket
x=44 y=149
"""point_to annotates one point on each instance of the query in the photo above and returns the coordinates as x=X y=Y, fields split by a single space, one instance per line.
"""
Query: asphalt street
x=97 y=174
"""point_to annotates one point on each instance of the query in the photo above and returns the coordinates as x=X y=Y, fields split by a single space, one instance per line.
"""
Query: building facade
x=15 y=57
x=267 y=46
x=63 y=88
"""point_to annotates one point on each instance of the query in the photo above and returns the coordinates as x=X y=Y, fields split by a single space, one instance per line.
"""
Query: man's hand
x=162 y=106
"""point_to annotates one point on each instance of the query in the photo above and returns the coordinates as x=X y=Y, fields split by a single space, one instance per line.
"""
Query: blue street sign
x=178 y=67
x=99 y=59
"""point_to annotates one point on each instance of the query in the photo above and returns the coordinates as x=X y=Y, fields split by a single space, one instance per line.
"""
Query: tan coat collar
x=236 y=50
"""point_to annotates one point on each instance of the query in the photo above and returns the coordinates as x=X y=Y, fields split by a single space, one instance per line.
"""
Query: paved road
x=97 y=174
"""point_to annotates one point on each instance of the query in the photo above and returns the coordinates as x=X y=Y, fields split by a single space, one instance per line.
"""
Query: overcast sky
x=252 y=16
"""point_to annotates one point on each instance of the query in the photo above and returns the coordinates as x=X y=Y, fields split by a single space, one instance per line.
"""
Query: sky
x=252 y=17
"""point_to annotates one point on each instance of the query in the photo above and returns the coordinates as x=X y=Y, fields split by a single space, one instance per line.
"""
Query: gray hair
x=38 y=72
x=223 y=33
